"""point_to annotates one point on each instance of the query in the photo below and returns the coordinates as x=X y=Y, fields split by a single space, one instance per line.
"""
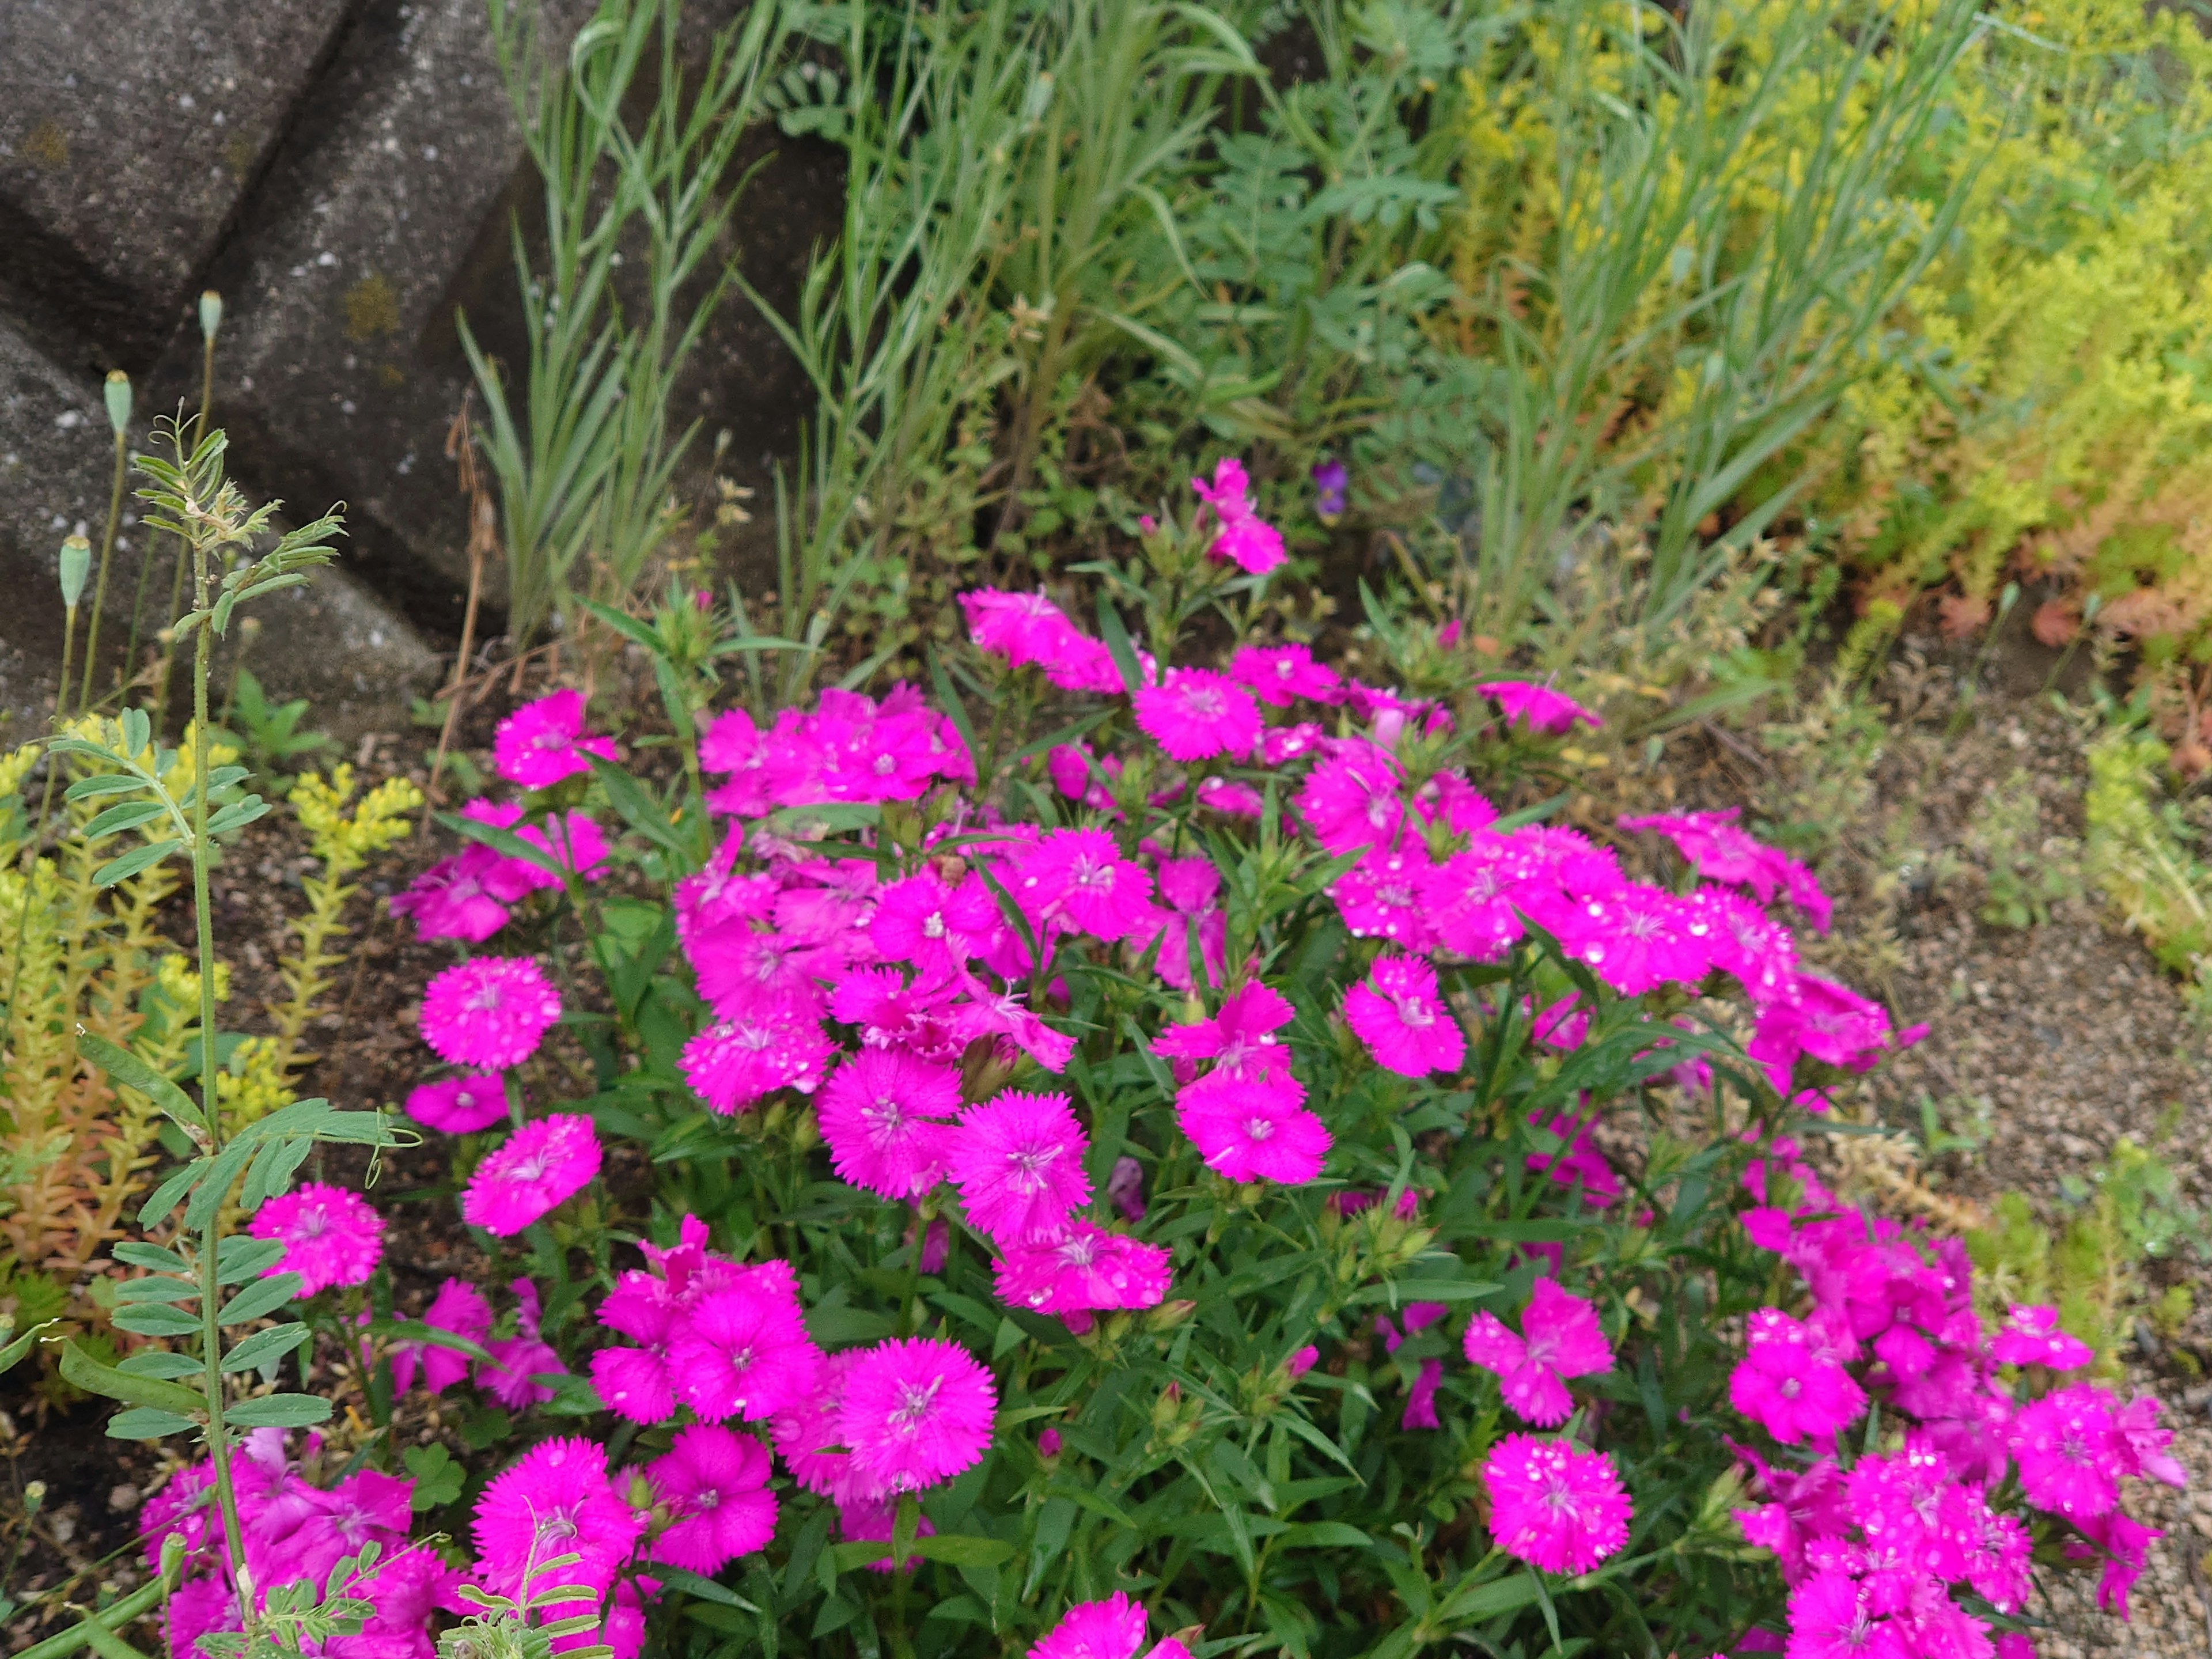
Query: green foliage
x=267 y=734
x=2024 y=872
x=2138 y=848
x=584 y=454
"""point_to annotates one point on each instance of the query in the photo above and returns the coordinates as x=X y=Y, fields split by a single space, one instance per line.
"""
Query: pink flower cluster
x=1875 y=1546
x=1111 y=1629
x=1242 y=538
x=295 y=1530
x=725 y=1341
x=851 y=747
x=472 y=895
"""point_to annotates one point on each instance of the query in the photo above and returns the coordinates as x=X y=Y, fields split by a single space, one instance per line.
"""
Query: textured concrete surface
x=345 y=172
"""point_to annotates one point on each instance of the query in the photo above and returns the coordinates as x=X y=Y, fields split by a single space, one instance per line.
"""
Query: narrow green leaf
x=129 y=1070
x=278 y=1411
x=638 y=810
x=238 y=1258
x=136 y=1253
x=264 y=1347
x=138 y=730
x=160 y=1362
x=128 y=815
x=237 y=815
x=93 y=1377
x=146 y=1422
x=501 y=839
x=1117 y=644
x=170 y=1192
x=12 y=1354
x=155 y=1289
x=156 y=1318
x=132 y=862
x=106 y=783
x=258 y=1301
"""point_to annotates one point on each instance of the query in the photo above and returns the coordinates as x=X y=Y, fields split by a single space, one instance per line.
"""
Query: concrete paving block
x=336 y=642
x=129 y=131
x=339 y=352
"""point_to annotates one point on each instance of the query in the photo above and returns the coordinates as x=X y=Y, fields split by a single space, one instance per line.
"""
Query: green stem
x=218 y=1433
x=99 y=587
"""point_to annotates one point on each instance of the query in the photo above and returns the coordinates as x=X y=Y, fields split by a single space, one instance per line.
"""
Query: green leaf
x=237 y=815
x=155 y=1319
x=501 y=839
x=93 y=1377
x=1117 y=644
x=238 y=1257
x=278 y=1411
x=157 y=1290
x=146 y=1422
x=132 y=862
x=170 y=1192
x=705 y=1589
x=160 y=1362
x=628 y=627
x=223 y=1176
x=128 y=815
x=414 y=1330
x=133 y=1073
x=138 y=730
x=260 y=1300
x=12 y=1354
x=638 y=809
x=437 y=1477
x=275 y=1166
x=263 y=1348
x=134 y=1253
x=106 y=783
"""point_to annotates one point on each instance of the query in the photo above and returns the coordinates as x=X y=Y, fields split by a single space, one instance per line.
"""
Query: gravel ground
x=2072 y=1035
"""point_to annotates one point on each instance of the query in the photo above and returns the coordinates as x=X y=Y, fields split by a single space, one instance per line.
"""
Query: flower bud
x=1168 y=1315
x=211 y=314
x=76 y=566
x=118 y=393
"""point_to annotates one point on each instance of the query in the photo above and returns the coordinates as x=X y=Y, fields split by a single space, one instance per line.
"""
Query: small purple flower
x=1330 y=480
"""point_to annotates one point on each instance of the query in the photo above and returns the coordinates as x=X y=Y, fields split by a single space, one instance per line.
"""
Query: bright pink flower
x=1255 y=546
x=517 y=1364
x=1636 y=939
x=1279 y=674
x=884 y=1114
x=1254 y=1128
x=458 y=1309
x=1240 y=1040
x=1553 y=1504
x=454 y=897
x=744 y=1351
x=1791 y=1385
x=1084 y=1269
x=2126 y=1545
x=543 y=742
x=330 y=1237
x=915 y=1411
x=1281 y=744
x=459 y=1105
x=807 y=1437
x=1351 y=800
x=1080 y=877
x=1197 y=714
x=923 y=921
x=714 y=1484
x=571 y=839
x=745 y=974
x=1397 y=1012
x=1538 y=706
x=1018 y=1161
x=539 y=1166
x=1235 y=800
x=1832 y=1618
x=733 y=1062
x=2031 y=1336
x=555 y=1501
x=1420 y=1411
x=1080 y=663
x=1820 y=1018
x=2147 y=1442
x=1111 y=1629
x=2070 y=1452
x=1022 y=628
x=1301 y=1362
x=1560 y=1337
x=1379 y=896
x=1742 y=939
x=488 y=1012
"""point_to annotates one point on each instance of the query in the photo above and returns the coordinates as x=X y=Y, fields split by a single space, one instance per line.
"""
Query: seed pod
x=119 y=401
x=76 y=565
x=211 y=314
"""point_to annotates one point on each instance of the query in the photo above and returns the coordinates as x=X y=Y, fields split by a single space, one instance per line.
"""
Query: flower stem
x=100 y=585
x=218 y=1434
